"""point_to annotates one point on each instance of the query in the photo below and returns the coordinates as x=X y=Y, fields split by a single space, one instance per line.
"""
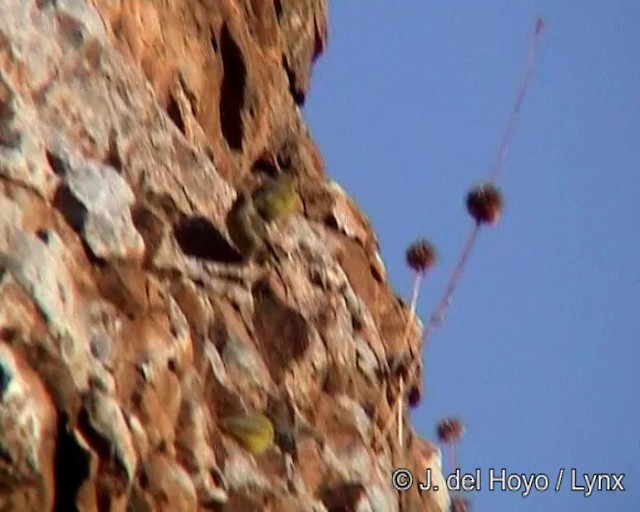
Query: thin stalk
x=400 y=410
x=437 y=317
x=501 y=154
x=397 y=406
x=453 y=456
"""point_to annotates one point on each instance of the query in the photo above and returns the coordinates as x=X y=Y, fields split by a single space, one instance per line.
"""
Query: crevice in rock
x=173 y=110
x=72 y=468
x=213 y=41
x=56 y=163
x=297 y=95
x=197 y=237
x=113 y=156
x=265 y=165
x=75 y=213
x=277 y=4
x=232 y=90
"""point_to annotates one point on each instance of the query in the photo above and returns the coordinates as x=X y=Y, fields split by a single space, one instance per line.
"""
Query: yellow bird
x=252 y=430
x=276 y=198
x=247 y=229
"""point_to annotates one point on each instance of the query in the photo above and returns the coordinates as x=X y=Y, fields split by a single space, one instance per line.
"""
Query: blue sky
x=540 y=352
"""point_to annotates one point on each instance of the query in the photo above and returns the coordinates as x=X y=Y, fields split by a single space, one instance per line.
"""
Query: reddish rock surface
x=129 y=322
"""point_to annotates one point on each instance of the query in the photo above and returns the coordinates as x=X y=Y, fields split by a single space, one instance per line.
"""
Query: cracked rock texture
x=129 y=322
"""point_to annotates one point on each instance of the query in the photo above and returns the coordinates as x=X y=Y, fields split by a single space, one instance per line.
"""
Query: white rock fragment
x=96 y=201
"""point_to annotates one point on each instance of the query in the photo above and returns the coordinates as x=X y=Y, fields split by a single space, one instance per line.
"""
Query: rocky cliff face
x=130 y=323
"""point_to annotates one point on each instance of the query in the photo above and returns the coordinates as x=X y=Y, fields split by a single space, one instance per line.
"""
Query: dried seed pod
x=421 y=255
x=484 y=203
x=450 y=430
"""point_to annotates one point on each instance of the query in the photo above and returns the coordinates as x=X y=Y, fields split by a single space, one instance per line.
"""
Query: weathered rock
x=128 y=322
x=23 y=156
x=95 y=200
x=28 y=423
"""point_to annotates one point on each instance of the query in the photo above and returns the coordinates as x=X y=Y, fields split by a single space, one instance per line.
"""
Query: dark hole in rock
x=5 y=378
x=278 y=7
x=197 y=237
x=74 y=212
x=173 y=110
x=415 y=396
x=343 y=498
x=330 y=221
x=232 y=90
x=213 y=41
x=44 y=235
x=144 y=479
x=297 y=94
x=264 y=164
x=57 y=164
x=282 y=335
x=113 y=157
x=9 y=334
x=72 y=465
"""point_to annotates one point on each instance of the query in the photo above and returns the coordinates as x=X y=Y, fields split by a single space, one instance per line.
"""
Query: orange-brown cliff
x=129 y=323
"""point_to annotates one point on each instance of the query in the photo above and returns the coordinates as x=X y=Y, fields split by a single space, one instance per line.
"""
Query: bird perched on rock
x=252 y=430
x=290 y=426
x=277 y=197
x=248 y=218
x=247 y=228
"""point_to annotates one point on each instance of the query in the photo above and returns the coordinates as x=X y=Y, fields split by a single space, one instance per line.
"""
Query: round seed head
x=450 y=430
x=460 y=504
x=484 y=203
x=421 y=255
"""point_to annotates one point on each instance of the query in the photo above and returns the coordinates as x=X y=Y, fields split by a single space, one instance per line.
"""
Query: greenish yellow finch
x=252 y=430
x=246 y=228
x=276 y=198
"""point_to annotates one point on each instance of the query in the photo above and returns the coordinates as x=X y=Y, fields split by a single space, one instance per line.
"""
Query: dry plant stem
x=397 y=407
x=438 y=316
x=436 y=320
x=400 y=409
x=415 y=292
x=522 y=91
x=453 y=456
